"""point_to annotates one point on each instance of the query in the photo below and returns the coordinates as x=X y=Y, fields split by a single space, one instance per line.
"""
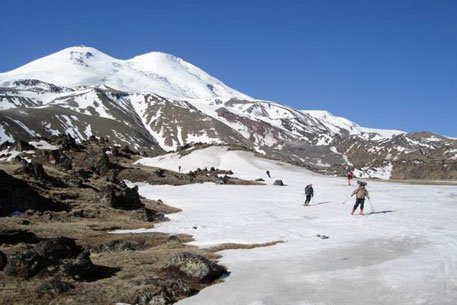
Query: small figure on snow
x=360 y=194
x=179 y=168
x=350 y=177
x=268 y=174
x=309 y=192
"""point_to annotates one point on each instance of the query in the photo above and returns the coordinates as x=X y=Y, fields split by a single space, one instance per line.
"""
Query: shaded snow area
x=403 y=253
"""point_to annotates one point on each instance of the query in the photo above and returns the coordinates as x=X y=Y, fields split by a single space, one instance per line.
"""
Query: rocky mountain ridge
x=129 y=110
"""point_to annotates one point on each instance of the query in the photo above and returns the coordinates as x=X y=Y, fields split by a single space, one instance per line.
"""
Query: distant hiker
x=350 y=177
x=179 y=168
x=268 y=174
x=360 y=194
x=309 y=192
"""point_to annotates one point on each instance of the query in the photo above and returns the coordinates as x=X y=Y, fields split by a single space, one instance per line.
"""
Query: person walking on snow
x=309 y=192
x=360 y=194
x=268 y=174
x=350 y=176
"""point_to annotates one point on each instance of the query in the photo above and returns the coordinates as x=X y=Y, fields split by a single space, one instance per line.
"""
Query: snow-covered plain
x=403 y=253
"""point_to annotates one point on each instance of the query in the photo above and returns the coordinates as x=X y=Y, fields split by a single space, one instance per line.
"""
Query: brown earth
x=132 y=273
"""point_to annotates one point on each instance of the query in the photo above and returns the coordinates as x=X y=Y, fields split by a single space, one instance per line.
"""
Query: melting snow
x=404 y=253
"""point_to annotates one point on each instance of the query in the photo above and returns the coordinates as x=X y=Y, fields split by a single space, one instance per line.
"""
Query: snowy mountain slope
x=172 y=103
x=402 y=254
x=155 y=72
x=342 y=125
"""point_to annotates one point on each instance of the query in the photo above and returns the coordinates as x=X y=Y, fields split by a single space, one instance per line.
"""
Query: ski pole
x=371 y=206
x=347 y=200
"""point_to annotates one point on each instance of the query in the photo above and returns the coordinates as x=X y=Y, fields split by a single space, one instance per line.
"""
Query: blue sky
x=384 y=64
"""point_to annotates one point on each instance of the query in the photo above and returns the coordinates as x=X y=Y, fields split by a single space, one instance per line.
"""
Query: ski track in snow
x=402 y=254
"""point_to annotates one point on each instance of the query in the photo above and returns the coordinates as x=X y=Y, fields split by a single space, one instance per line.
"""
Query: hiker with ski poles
x=360 y=194
x=309 y=192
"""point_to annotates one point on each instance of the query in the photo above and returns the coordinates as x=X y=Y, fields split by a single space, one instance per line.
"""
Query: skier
x=309 y=192
x=268 y=174
x=360 y=194
x=350 y=176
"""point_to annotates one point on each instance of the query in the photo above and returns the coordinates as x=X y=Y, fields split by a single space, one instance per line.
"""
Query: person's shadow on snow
x=380 y=212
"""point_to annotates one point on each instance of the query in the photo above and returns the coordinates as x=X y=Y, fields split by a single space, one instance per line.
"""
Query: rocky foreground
x=58 y=202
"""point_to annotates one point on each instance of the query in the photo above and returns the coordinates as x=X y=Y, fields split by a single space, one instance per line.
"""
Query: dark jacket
x=309 y=191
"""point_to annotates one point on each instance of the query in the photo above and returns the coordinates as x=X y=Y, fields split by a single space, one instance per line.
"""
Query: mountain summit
x=155 y=72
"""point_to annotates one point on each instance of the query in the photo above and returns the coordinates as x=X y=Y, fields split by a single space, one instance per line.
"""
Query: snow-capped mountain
x=157 y=72
x=157 y=102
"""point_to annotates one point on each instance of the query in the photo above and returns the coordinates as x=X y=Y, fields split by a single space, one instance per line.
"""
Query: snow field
x=402 y=254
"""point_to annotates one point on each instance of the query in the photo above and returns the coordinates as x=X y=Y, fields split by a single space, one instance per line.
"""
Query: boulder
x=162 y=291
x=16 y=195
x=57 y=249
x=80 y=268
x=102 y=164
x=34 y=170
x=13 y=237
x=195 y=266
x=64 y=162
x=3 y=260
x=57 y=256
x=26 y=265
x=120 y=197
x=151 y=298
x=126 y=149
x=278 y=182
x=21 y=145
x=150 y=215
x=96 y=161
x=160 y=173
x=67 y=142
x=114 y=245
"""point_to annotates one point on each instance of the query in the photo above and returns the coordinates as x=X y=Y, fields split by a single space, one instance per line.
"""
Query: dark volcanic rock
x=26 y=265
x=5 y=145
x=68 y=143
x=114 y=245
x=153 y=298
x=196 y=266
x=97 y=162
x=57 y=249
x=80 y=268
x=278 y=182
x=64 y=162
x=162 y=291
x=34 y=170
x=21 y=145
x=56 y=287
x=150 y=215
x=16 y=195
x=17 y=236
x=126 y=149
x=3 y=260
x=51 y=256
x=120 y=197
